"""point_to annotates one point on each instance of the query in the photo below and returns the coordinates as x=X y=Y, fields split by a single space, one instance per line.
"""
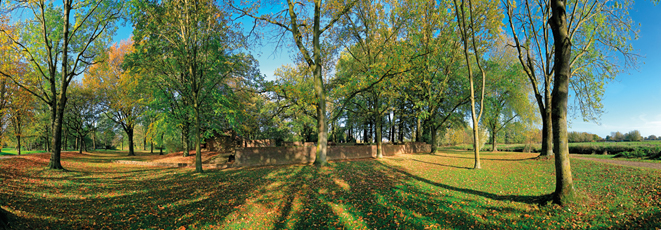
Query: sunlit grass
x=13 y=151
x=406 y=192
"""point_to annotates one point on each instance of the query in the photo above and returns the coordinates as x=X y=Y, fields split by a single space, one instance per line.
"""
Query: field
x=406 y=192
x=12 y=151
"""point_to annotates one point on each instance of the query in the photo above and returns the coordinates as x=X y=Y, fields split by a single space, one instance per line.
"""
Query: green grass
x=612 y=157
x=407 y=192
x=12 y=151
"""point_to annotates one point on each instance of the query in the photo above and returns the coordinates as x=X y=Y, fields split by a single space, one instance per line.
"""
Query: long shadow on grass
x=367 y=194
x=359 y=194
x=487 y=159
x=142 y=200
x=515 y=198
x=444 y=165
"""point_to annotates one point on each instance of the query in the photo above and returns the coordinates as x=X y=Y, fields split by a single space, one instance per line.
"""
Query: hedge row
x=653 y=152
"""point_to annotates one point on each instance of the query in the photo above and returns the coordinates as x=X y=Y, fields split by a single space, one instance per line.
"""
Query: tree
x=564 y=186
x=21 y=113
x=293 y=21
x=374 y=61
x=59 y=46
x=476 y=24
x=617 y=136
x=120 y=91
x=599 y=30
x=9 y=63
x=633 y=136
x=82 y=112
x=190 y=47
x=507 y=99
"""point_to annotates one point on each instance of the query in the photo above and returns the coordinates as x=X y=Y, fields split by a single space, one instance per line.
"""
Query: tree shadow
x=486 y=159
x=543 y=199
x=444 y=165
x=354 y=194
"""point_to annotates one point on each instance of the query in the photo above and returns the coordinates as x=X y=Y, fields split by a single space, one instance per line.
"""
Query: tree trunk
x=322 y=142
x=197 y=131
x=162 y=144
x=379 y=137
x=392 y=128
x=434 y=141
x=418 y=130
x=547 y=132
x=144 y=142
x=80 y=145
x=184 y=141
x=57 y=136
x=494 y=147
x=365 y=132
x=400 y=129
x=151 y=147
x=129 y=133
x=93 y=141
x=564 y=189
x=18 y=146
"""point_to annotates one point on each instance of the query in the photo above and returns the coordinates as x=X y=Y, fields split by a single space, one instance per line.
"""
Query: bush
x=640 y=152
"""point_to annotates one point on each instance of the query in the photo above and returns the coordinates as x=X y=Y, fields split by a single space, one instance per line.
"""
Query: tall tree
x=10 y=62
x=119 y=90
x=294 y=20
x=601 y=30
x=476 y=23
x=508 y=99
x=59 y=43
x=21 y=113
x=191 y=47
x=374 y=58
x=564 y=186
x=82 y=112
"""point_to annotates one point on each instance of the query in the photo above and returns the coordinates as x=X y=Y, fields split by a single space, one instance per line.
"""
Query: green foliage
x=574 y=136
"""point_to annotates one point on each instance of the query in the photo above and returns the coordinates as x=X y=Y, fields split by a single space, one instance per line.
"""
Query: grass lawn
x=12 y=151
x=612 y=157
x=406 y=192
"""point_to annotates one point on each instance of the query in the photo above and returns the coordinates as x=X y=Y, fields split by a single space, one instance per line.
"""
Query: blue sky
x=631 y=102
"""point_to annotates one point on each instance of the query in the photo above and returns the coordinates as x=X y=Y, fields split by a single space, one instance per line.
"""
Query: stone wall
x=262 y=156
x=226 y=144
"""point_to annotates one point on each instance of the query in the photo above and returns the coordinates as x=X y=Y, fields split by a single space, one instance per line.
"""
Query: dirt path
x=620 y=162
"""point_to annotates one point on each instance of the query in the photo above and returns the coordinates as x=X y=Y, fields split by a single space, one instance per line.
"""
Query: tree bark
x=57 y=137
x=494 y=147
x=392 y=128
x=184 y=140
x=379 y=137
x=418 y=131
x=80 y=145
x=129 y=134
x=151 y=147
x=198 y=151
x=365 y=133
x=18 y=141
x=322 y=142
x=547 y=131
x=564 y=190
x=434 y=141
x=400 y=130
x=162 y=144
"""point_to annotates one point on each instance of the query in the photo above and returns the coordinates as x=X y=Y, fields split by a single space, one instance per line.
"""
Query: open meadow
x=417 y=191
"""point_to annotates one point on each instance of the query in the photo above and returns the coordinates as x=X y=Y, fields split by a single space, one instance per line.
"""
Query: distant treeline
x=575 y=137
